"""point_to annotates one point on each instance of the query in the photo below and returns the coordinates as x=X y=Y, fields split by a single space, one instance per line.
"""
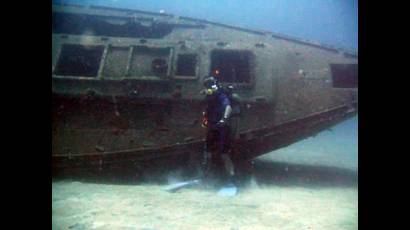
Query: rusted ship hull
x=248 y=144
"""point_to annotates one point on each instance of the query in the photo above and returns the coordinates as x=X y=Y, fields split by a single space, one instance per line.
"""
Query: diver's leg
x=224 y=149
x=228 y=164
x=206 y=162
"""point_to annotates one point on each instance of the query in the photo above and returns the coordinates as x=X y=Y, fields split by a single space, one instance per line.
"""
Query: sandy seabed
x=304 y=186
x=93 y=206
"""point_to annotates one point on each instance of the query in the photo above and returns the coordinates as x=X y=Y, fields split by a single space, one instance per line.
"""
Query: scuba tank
x=233 y=121
x=234 y=98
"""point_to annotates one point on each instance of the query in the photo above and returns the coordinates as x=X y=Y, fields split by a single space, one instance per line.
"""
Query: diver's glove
x=204 y=122
x=221 y=123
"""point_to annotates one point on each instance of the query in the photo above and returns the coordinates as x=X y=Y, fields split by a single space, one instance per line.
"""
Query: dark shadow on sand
x=265 y=173
x=289 y=174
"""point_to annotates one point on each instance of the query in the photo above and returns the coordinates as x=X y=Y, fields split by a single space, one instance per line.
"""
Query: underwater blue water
x=332 y=22
x=335 y=147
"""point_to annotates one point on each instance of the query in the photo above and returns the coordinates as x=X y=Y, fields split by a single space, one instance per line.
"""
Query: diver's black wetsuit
x=216 y=133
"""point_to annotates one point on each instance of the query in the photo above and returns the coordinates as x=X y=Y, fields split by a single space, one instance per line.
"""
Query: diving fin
x=176 y=186
x=228 y=190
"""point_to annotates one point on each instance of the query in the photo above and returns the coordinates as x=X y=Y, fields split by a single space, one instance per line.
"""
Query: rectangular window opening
x=79 y=60
x=149 y=62
x=344 y=75
x=231 y=66
x=186 y=65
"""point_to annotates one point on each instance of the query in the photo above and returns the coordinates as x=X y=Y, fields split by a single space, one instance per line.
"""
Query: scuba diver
x=220 y=112
x=216 y=117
